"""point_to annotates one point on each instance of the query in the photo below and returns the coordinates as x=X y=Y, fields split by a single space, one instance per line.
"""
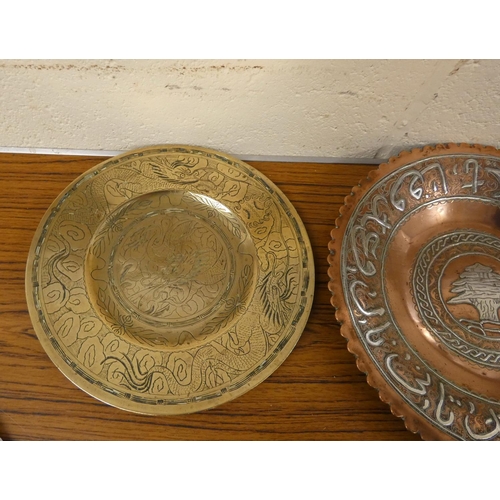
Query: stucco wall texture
x=315 y=108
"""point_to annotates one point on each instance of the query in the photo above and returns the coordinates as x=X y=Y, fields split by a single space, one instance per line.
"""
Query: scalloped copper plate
x=415 y=277
x=170 y=279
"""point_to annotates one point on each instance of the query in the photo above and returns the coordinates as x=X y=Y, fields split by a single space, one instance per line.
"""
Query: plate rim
x=173 y=409
x=414 y=422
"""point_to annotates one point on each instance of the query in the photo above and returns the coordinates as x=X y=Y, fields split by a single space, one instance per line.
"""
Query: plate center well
x=171 y=268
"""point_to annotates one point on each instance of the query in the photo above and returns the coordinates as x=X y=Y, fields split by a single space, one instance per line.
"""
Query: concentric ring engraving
x=417 y=252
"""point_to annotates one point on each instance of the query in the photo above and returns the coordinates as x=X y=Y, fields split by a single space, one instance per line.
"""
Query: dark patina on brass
x=415 y=277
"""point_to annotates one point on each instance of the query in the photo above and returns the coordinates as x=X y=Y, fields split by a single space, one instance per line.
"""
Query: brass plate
x=169 y=280
x=415 y=276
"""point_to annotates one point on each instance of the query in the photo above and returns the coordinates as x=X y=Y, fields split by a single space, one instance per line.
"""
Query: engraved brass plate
x=170 y=280
x=415 y=276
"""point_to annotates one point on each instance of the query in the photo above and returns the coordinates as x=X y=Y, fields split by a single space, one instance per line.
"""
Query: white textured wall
x=351 y=109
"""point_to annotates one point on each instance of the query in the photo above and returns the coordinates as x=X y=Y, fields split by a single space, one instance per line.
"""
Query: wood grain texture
x=317 y=394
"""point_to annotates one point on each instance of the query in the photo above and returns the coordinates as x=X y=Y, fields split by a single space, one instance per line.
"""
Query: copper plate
x=170 y=279
x=415 y=276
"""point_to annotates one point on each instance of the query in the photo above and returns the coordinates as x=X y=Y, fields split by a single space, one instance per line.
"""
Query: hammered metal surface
x=415 y=275
x=170 y=279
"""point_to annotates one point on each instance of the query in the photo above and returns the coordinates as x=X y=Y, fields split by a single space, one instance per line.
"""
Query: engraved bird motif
x=275 y=290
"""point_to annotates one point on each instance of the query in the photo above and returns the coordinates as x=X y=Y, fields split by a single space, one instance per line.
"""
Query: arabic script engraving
x=389 y=203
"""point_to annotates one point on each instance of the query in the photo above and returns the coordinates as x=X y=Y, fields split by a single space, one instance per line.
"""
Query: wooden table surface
x=317 y=394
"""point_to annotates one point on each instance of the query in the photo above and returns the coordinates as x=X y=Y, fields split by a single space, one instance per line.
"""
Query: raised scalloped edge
x=413 y=422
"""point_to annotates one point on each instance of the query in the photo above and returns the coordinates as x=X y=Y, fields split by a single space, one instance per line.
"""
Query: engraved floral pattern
x=169 y=276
